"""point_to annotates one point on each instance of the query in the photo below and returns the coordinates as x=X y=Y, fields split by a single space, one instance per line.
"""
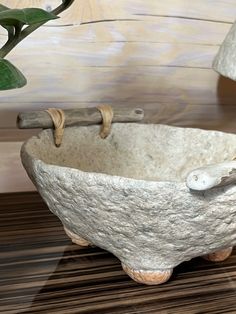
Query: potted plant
x=20 y=23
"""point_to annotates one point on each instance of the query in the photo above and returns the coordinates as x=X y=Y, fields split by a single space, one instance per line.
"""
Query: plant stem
x=29 y=29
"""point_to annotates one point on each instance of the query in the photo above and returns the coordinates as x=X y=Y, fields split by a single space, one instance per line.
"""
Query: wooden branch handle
x=211 y=176
x=82 y=116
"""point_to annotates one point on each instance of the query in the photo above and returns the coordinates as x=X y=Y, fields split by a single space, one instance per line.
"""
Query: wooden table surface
x=41 y=271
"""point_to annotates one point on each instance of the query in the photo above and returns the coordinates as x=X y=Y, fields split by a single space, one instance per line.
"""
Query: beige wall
x=148 y=53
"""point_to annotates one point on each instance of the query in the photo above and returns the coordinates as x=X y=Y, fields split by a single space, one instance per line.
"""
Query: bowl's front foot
x=76 y=238
x=148 y=277
x=219 y=256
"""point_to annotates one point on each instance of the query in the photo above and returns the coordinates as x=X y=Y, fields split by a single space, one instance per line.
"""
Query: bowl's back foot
x=219 y=256
x=76 y=238
x=147 y=277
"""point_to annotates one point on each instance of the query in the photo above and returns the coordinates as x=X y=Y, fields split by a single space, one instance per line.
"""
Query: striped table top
x=41 y=271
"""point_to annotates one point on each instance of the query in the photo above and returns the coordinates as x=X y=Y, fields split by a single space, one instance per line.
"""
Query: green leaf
x=10 y=29
x=3 y=8
x=27 y=16
x=10 y=76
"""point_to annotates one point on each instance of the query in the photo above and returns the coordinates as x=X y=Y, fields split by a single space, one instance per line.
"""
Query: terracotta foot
x=219 y=256
x=148 y=277
x=76 y=239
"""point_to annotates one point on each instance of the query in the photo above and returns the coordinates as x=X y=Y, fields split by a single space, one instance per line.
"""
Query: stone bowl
x=152 y=195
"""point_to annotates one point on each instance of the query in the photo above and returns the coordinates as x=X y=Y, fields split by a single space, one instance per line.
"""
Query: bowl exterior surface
x=148 y=225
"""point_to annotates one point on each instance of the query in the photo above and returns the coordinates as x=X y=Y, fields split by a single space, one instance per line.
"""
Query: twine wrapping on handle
x=58 y=118
x=107 y=117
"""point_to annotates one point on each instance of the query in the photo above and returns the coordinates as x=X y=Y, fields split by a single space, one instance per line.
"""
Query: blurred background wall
x=142 y=53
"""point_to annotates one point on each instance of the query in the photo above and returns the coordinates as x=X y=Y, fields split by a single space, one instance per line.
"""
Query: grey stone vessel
x=153 y=195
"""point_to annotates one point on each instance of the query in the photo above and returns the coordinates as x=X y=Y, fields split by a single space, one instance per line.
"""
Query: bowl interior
x=139 y=151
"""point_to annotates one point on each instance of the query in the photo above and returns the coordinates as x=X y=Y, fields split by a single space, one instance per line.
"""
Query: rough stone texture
x=225 y=60
x=127 y=193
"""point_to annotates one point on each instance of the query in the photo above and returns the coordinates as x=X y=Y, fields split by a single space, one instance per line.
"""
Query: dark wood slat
x=41 y=271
